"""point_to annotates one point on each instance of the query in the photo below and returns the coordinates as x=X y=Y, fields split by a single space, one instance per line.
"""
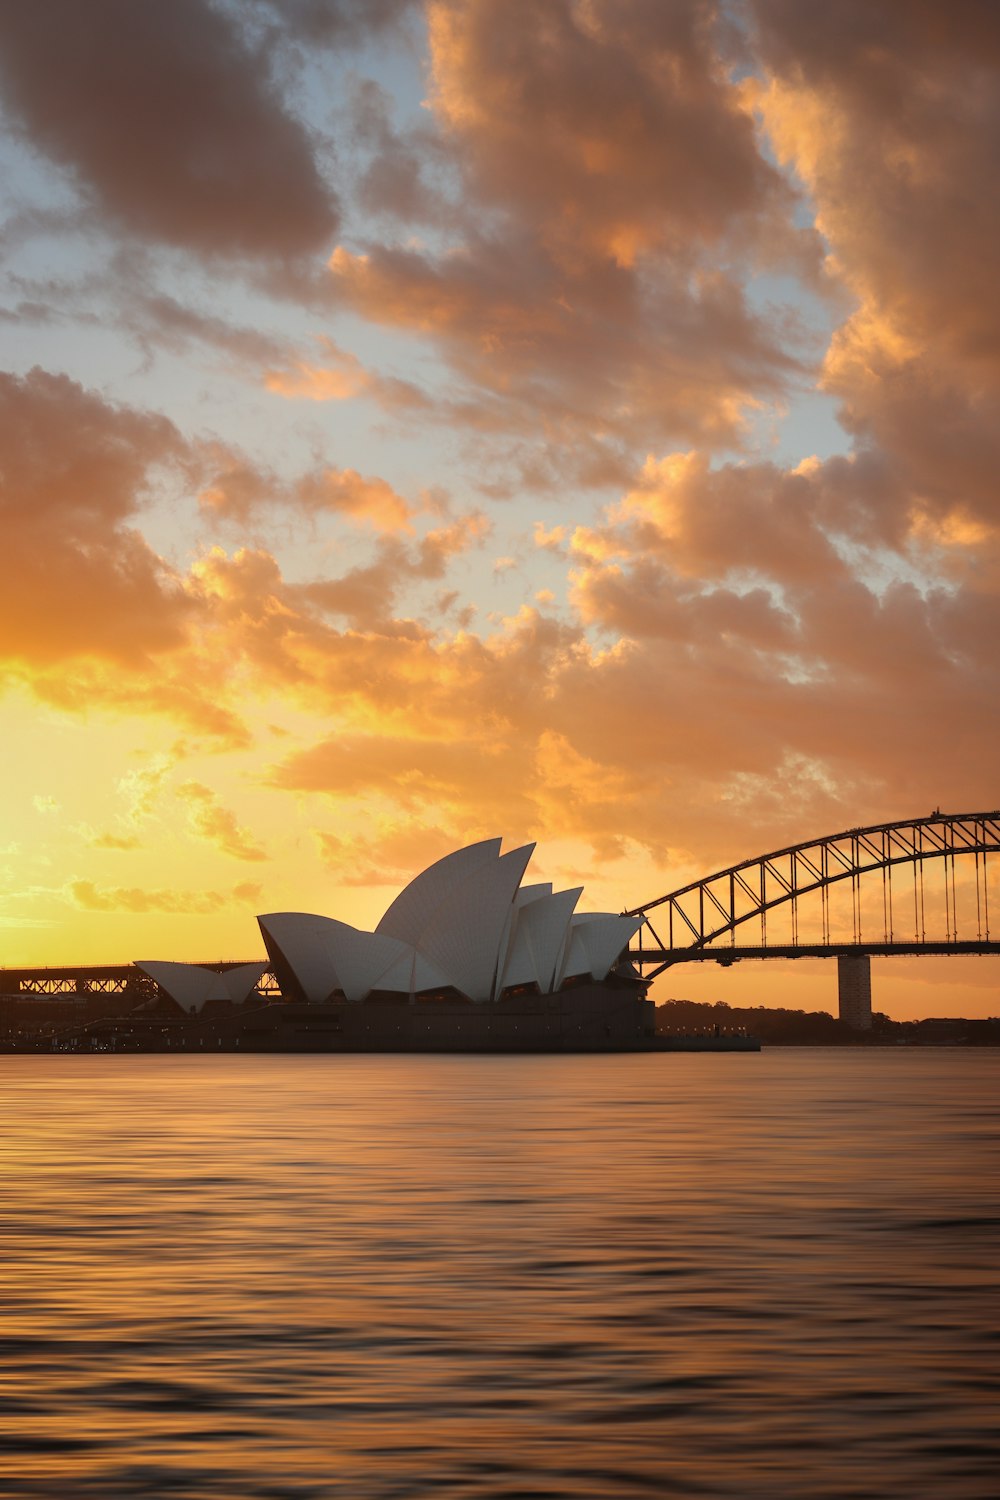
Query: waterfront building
x=467 y=957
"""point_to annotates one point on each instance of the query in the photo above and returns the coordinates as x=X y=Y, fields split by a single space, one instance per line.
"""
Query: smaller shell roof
x=361 y=958
x=193 y=985
x=302 y=940
x=596 y=940
x=539 y=939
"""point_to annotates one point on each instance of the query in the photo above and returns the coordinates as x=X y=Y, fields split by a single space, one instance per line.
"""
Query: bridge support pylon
x=854 y=985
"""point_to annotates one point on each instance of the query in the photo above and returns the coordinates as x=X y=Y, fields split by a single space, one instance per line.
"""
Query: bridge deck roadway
x=84 y=978
x=732 y=955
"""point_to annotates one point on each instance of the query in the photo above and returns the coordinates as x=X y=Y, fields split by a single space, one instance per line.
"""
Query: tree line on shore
x=777 y=1027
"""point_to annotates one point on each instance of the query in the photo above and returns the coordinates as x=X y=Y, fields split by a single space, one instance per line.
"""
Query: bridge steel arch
x=693 y=923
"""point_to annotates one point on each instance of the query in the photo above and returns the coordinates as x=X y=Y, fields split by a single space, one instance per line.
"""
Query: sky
x=576 y=421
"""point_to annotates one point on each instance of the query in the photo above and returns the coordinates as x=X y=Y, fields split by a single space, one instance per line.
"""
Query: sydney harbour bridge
x=920 y=886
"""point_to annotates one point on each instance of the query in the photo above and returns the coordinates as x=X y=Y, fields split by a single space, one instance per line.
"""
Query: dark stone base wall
x=591 y=1018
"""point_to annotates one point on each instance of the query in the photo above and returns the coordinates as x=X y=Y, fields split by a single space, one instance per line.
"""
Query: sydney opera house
x=466 y=958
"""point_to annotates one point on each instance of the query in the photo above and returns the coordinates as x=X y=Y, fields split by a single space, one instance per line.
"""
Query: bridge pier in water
x=854 y=986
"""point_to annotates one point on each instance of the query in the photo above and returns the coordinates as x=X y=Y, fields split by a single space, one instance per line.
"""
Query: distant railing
x=102 y=979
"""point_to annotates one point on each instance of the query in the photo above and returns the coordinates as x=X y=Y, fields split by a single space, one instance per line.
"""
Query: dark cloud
x=872 y=48
x=394 y=181
x=168 y=122
x=161 y=321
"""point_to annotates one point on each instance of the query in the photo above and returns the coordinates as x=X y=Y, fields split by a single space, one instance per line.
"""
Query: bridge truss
x=724 y=917
x=109 y=979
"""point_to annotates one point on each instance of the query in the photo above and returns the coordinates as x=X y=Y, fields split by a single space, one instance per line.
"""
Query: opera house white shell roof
x=466 y=925
x=193 y=985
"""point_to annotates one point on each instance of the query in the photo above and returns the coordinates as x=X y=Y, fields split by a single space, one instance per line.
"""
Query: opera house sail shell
x=465 y=929
x=193 y=986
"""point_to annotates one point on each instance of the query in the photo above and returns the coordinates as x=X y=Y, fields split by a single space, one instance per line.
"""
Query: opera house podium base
x=589 y=1018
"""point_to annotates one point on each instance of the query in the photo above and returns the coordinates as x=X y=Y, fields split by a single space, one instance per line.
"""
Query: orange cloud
x=341 y=377
x=82 y=582
x=371 y=502
x=578 y=351
x=238 y=491
x=734 y=643
x=315 y=382
x=755 y=520
x=579 y=117
x=248 y=891
x=115 y=841
x=890 y=115
x=366 y=596
x=216 y=823
x=389 y=857
x=611 y=181
x=704 y=691
x=134 y=899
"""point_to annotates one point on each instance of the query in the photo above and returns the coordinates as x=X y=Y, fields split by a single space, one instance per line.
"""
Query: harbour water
x=400 y=1277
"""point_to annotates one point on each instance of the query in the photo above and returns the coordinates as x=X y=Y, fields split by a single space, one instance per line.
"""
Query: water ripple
x=282 y=1278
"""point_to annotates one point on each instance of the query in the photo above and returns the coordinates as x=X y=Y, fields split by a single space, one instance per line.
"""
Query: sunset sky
x=572 y=420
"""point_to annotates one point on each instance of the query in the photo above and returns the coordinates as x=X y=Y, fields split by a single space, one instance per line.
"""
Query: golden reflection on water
x=673 y=1275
